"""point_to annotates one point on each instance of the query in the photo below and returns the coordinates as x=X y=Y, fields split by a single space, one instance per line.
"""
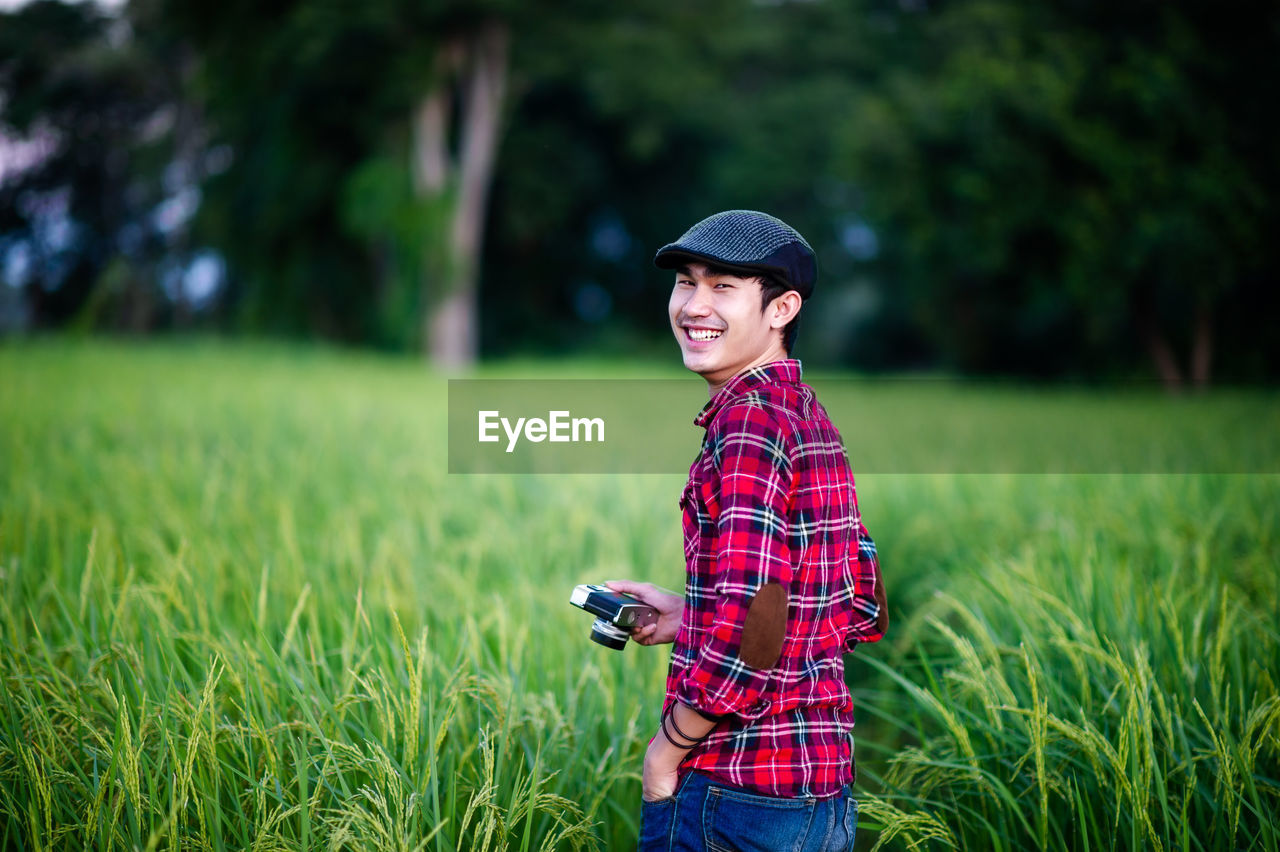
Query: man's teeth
x=704 y=334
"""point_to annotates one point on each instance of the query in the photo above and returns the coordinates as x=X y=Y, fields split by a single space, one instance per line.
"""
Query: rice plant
x=1099 y=688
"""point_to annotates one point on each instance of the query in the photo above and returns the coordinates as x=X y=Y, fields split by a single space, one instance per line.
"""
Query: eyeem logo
x=558 y=428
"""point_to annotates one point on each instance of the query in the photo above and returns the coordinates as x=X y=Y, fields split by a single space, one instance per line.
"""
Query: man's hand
x=669 y=605
x=661 y=760
x=660 y=777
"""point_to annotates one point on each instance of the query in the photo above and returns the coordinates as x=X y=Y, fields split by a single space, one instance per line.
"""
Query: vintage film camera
x=618 y=614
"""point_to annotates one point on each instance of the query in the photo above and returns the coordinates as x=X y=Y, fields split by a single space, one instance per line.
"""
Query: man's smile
x=702 y=334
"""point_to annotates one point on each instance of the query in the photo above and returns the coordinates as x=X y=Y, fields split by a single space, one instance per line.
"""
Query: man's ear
x=783 y=309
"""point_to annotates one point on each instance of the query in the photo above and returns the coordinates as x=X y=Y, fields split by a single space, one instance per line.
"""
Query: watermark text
x=559 y=427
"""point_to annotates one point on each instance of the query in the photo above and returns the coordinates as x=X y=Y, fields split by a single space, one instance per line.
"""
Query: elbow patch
x=765 y=627
x=882 y=617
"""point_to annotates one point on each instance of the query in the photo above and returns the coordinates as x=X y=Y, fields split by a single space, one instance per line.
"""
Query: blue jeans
x=707 y=815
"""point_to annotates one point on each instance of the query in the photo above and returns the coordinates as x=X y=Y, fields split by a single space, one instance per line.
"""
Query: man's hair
x=771 y=287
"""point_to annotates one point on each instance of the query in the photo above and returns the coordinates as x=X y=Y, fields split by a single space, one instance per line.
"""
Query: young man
x=753 y=749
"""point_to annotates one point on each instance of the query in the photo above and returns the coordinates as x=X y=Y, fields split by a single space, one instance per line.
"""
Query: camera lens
x=608 y=635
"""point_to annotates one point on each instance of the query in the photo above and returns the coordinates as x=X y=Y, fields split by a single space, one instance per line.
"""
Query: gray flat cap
x=749 y=241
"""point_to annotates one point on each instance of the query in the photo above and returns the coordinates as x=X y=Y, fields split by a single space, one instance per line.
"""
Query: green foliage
x=244 y=607
x=1060 y=183
x=1058 y=189
x=300 y=95
x=102 y=126
x=379 y=207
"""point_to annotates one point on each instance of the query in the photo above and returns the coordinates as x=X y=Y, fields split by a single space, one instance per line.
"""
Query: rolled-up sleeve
x=752 y=478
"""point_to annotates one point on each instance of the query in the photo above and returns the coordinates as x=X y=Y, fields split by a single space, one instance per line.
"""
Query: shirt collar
x=786 y=370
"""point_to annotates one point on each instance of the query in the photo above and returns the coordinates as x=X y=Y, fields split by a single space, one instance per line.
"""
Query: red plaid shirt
x=770 y=499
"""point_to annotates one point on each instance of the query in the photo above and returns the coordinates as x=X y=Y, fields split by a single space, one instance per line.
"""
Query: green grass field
x=244 y=607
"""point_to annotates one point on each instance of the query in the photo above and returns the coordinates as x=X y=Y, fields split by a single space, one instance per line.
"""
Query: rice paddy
x=243 y=606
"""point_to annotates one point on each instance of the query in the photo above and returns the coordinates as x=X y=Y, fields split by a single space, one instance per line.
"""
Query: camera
x=618 y=614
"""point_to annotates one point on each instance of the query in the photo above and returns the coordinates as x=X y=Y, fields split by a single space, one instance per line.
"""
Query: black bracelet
x=672 y=716
x=663 y=726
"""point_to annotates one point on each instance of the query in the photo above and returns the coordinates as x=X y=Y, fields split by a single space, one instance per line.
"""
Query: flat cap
x=749 y=241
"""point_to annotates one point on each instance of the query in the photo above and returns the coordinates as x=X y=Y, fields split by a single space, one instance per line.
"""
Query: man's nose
x=699 y=303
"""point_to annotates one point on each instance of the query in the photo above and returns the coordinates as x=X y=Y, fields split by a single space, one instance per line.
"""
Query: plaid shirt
x=770 y=499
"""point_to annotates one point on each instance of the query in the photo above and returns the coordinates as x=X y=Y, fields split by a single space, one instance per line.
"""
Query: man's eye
x=721 y=284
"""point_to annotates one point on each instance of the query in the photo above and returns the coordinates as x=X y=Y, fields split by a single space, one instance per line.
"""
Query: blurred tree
x=628 y=127
x=1061 y=182
x=613 y=118
x=297 y=97
x=398 y=177
x=1065 y=188
x=475 y=62
x=93 y=203
x=373 y=139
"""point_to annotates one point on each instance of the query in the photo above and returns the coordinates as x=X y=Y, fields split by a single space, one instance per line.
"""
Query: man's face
x=719 y=325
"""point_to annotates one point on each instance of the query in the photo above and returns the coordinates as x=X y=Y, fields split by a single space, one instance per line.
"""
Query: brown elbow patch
x=882 y=617
x=765 y=627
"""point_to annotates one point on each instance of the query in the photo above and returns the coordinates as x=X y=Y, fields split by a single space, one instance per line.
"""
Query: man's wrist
x=674 y=740
x=664 y=756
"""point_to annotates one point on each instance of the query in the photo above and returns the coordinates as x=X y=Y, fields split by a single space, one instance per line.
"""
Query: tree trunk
x=430 y=141
x=1202 y=347
x=1162 y=356
x=452 y=328
x=450 y=282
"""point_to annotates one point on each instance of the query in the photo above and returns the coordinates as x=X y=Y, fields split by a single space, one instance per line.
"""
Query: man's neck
x=773 y=353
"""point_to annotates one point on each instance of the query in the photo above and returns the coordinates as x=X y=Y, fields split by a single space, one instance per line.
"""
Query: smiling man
x=753 y=747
